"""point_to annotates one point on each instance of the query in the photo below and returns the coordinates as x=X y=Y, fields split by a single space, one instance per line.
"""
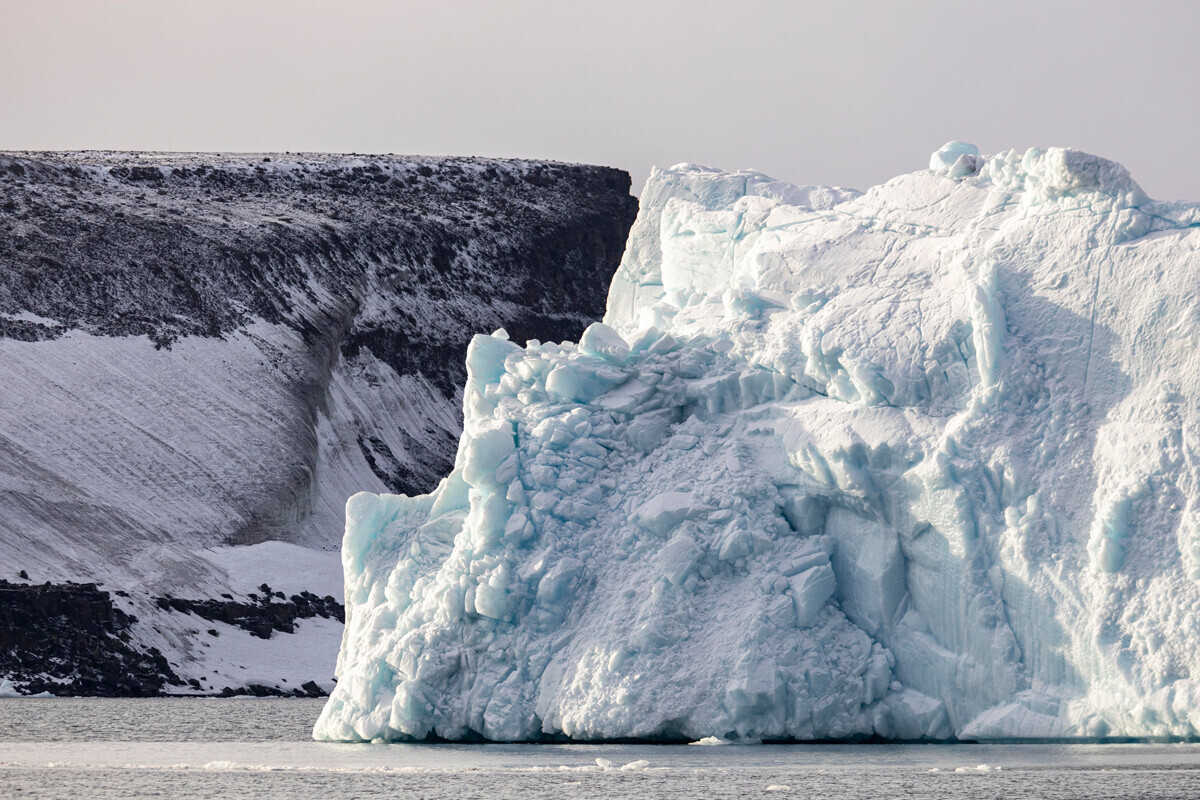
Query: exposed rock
x=69 y=639
x=262 y=617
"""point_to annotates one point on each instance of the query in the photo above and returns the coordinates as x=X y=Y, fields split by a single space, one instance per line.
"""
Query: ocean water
x=86 y=749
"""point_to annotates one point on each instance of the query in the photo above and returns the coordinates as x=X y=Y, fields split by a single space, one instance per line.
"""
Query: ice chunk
x=1012 y=720
x=565 y=383
x=492 y=596
x=869 y=568
x=662 y=513
x=558 y=584
x=917 y=716
x=955 y=159
x=756 y=688
x=1110 y=531
x=810 y=589
x=678 y=557
x=646 y=431
x=710 y=741
x=484 y=454
x=601 y=340
x=485 y=358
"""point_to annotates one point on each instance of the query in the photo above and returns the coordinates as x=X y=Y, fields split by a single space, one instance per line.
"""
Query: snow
x=914 y=463
x=235 y=657
x=8 y=691
x=188 y=442
x=287 y=568
x=29 y=316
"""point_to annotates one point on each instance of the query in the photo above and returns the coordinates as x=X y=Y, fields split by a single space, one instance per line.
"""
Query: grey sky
x=846 y=93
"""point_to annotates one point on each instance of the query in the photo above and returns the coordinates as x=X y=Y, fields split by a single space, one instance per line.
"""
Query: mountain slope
x=203 y=352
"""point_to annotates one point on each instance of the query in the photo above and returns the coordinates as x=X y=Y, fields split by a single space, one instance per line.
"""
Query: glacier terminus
x=915 y=463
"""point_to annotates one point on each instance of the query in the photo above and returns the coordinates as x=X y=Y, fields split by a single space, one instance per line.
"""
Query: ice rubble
x=917 y=463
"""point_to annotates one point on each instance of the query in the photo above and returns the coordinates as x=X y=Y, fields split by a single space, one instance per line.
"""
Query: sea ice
x=917 y=463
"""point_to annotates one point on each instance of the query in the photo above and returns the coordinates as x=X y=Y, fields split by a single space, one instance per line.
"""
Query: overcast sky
x=846 y=93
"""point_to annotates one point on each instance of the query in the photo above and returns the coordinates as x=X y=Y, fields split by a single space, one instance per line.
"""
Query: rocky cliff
x=205 y=355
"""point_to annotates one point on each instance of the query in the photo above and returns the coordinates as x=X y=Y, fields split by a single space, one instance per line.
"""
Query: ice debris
x=955 y=159
x=917 y=463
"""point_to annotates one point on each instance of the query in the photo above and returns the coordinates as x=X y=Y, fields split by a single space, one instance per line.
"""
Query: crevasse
x=916 y=463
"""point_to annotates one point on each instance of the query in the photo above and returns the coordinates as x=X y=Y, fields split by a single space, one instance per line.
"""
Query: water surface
x=242 y=748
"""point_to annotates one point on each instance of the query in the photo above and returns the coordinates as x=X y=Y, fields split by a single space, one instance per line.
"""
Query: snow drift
x=915 y=463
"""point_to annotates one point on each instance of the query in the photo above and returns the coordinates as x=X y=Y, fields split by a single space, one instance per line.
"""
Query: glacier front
x=915 y=463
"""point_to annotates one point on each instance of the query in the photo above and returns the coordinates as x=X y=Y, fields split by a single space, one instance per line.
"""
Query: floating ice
x=918 y=463
x=710 y=741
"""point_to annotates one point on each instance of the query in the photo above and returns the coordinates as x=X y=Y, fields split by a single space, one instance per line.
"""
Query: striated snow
x=916 y=463
x=204 y=355
x=234 y=657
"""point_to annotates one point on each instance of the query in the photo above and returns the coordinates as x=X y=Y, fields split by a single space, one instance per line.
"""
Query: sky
x=845 y=93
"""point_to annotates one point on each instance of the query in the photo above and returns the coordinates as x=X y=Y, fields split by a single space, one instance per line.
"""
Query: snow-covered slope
x=203 y=356
x=914 y=463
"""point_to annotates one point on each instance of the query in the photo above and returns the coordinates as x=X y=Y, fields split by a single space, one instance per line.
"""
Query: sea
x=101 y=749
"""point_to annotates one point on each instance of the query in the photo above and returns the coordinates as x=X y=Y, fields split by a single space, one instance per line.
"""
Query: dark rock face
x=262 y=616
x=69 y=639
x=192 y=248
x=405 y=258
x=205 y=351
x=309 y=689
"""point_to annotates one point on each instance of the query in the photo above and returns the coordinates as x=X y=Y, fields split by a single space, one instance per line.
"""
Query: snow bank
x=916 y=463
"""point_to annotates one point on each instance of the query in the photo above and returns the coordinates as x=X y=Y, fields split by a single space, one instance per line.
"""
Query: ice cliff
x=919 y=462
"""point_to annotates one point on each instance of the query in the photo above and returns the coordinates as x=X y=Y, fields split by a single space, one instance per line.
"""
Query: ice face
x=913 y=463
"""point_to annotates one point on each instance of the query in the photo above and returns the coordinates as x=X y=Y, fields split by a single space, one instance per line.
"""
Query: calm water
x=208 y=748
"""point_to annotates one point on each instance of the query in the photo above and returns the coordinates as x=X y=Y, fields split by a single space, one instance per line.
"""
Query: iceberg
x=914 y=463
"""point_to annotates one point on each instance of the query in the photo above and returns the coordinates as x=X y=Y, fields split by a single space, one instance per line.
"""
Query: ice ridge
x=916 y=463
